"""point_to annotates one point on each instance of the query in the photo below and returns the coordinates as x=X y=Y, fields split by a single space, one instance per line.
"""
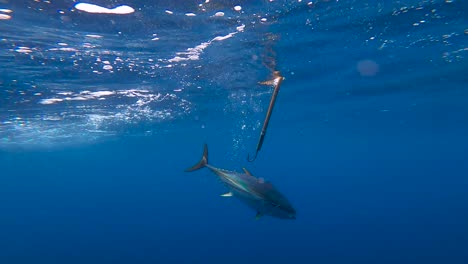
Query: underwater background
x=102 y=109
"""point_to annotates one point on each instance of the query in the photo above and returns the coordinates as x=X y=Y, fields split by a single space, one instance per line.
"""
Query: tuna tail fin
x=202 y=163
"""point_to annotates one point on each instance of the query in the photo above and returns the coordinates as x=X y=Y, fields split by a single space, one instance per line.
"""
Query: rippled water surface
x=68 y=74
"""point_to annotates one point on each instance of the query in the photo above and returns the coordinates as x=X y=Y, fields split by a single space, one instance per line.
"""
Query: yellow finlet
x=258 y=216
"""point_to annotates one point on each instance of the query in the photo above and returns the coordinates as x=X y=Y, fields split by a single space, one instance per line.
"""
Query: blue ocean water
x=100 y=114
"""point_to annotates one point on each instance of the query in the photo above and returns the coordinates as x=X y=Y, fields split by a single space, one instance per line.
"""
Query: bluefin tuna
x=255 y=192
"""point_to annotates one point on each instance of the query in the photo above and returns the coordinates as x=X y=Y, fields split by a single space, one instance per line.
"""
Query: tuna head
x=263 y=197
x=275 y=204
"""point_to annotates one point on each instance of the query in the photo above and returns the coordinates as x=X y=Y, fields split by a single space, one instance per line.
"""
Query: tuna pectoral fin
x=229 y=194
x=202 y=163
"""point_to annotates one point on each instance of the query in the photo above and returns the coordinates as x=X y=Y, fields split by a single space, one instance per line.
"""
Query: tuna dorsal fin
x=228 y=194
x=247 y=172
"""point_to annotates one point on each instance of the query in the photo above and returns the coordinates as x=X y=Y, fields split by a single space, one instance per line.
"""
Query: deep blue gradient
x=375 y=162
